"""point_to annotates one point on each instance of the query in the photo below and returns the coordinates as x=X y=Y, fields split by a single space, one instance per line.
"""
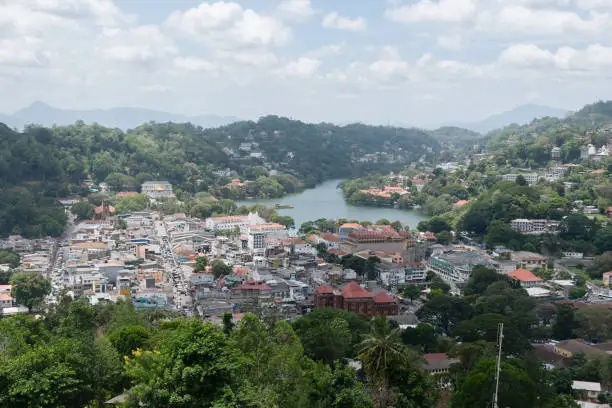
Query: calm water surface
x=326 y=201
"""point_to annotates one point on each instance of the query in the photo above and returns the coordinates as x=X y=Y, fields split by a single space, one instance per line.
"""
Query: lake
x=326 y=201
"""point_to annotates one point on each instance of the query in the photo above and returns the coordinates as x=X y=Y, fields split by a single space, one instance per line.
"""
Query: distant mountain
x=123 y=118
x=454 y=134
x=521 y=115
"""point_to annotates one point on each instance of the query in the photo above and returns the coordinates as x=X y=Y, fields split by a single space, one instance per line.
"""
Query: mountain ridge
x=521 y=115
x=117 y=117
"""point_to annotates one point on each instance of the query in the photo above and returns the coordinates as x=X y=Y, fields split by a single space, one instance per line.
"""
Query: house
x=528 y=260
x=438 y=363
x=525 y=277
x=252 y=290
x=202 y=279
x=586 y=390
x=606 y=278
x=331 y=240
x=6 y=300
x=157 y=189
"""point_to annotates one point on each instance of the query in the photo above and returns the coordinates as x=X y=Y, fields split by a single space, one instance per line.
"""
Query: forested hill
x=315 y=152
x=40 y=164
x=530 y=144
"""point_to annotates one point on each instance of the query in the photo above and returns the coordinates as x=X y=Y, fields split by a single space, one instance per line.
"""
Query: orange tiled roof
x=524 y=275
x=324 y=289
x=353 y=291
x=351 y=225
x=383 y=297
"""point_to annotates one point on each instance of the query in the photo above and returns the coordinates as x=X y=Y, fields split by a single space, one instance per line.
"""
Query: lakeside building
x=228 y=223
x=157 y=189
x=353 y=298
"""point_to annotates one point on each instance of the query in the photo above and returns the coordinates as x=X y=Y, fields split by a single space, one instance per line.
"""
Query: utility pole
x=500 y=338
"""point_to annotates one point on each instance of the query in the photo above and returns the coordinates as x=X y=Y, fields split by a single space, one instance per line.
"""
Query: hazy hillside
x=521 y=115
x=123 y=118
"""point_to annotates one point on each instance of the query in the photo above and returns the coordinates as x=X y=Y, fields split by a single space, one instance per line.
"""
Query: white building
x=259 y=233
x=530 y=178
x=229 y=223
x=526 y=226
x=157 y=189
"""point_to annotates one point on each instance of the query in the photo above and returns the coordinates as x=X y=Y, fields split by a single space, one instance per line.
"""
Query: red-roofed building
x=126 y=194
x=353 y=298
x=252 y=289
x=525 y=277
x=461 y=203
x=331 y=240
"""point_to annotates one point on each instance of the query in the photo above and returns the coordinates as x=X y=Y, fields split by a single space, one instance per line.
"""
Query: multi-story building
x=157 y=189
x=258 y=234
x=555 y=153
x=526 y=226
x=228 y=223
x=456 y=265
x=528 y=260
x=530 y=178
x=353 y=298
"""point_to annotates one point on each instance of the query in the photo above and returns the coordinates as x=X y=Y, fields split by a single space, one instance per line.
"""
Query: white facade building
x=157 y=189
x=229 y=223
x=525 y=226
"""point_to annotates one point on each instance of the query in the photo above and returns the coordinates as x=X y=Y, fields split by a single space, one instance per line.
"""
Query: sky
x=413 y=62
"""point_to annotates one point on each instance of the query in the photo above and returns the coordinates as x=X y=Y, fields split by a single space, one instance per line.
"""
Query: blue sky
x=417 y=62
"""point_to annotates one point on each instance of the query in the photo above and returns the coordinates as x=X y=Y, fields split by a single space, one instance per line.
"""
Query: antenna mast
x=500 y=338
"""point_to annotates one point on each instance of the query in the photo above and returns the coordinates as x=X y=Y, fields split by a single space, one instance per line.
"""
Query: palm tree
x=380 y=352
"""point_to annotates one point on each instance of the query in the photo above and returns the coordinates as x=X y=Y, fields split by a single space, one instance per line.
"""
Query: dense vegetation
x=79 y=355
x=529 y=145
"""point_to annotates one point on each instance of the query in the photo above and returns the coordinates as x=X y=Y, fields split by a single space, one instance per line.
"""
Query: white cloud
x=452 y=42
x=228 y=26
x=103 y=12
x=194 y=64
x=296 y=10
x=335 y=20
x=448 y=11
x=594 y=58
x=141 y=44
x=303 y=67
x=22 y=52
x=328 y=50
x=603 y=5
x=541 y=22
x=390 y=66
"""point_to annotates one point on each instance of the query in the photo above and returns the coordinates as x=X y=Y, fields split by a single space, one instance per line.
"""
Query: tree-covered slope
x=41 y=164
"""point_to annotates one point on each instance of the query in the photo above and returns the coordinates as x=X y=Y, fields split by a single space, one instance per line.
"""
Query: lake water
x=326 y=201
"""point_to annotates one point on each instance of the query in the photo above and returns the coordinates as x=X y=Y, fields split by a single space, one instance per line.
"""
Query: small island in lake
x=282 y=206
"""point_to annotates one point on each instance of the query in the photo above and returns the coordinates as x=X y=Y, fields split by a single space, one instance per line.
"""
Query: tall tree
x=30 y=288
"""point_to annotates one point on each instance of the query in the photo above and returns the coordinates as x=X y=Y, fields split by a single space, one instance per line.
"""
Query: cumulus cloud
x=448 y=11
x=194 y=64
x=296 y=10
x=335 y=20
x=541 y=22
x=22 y=52
x=593 y=58
x=303 y=67
x=139 y=44
x=228 y=26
